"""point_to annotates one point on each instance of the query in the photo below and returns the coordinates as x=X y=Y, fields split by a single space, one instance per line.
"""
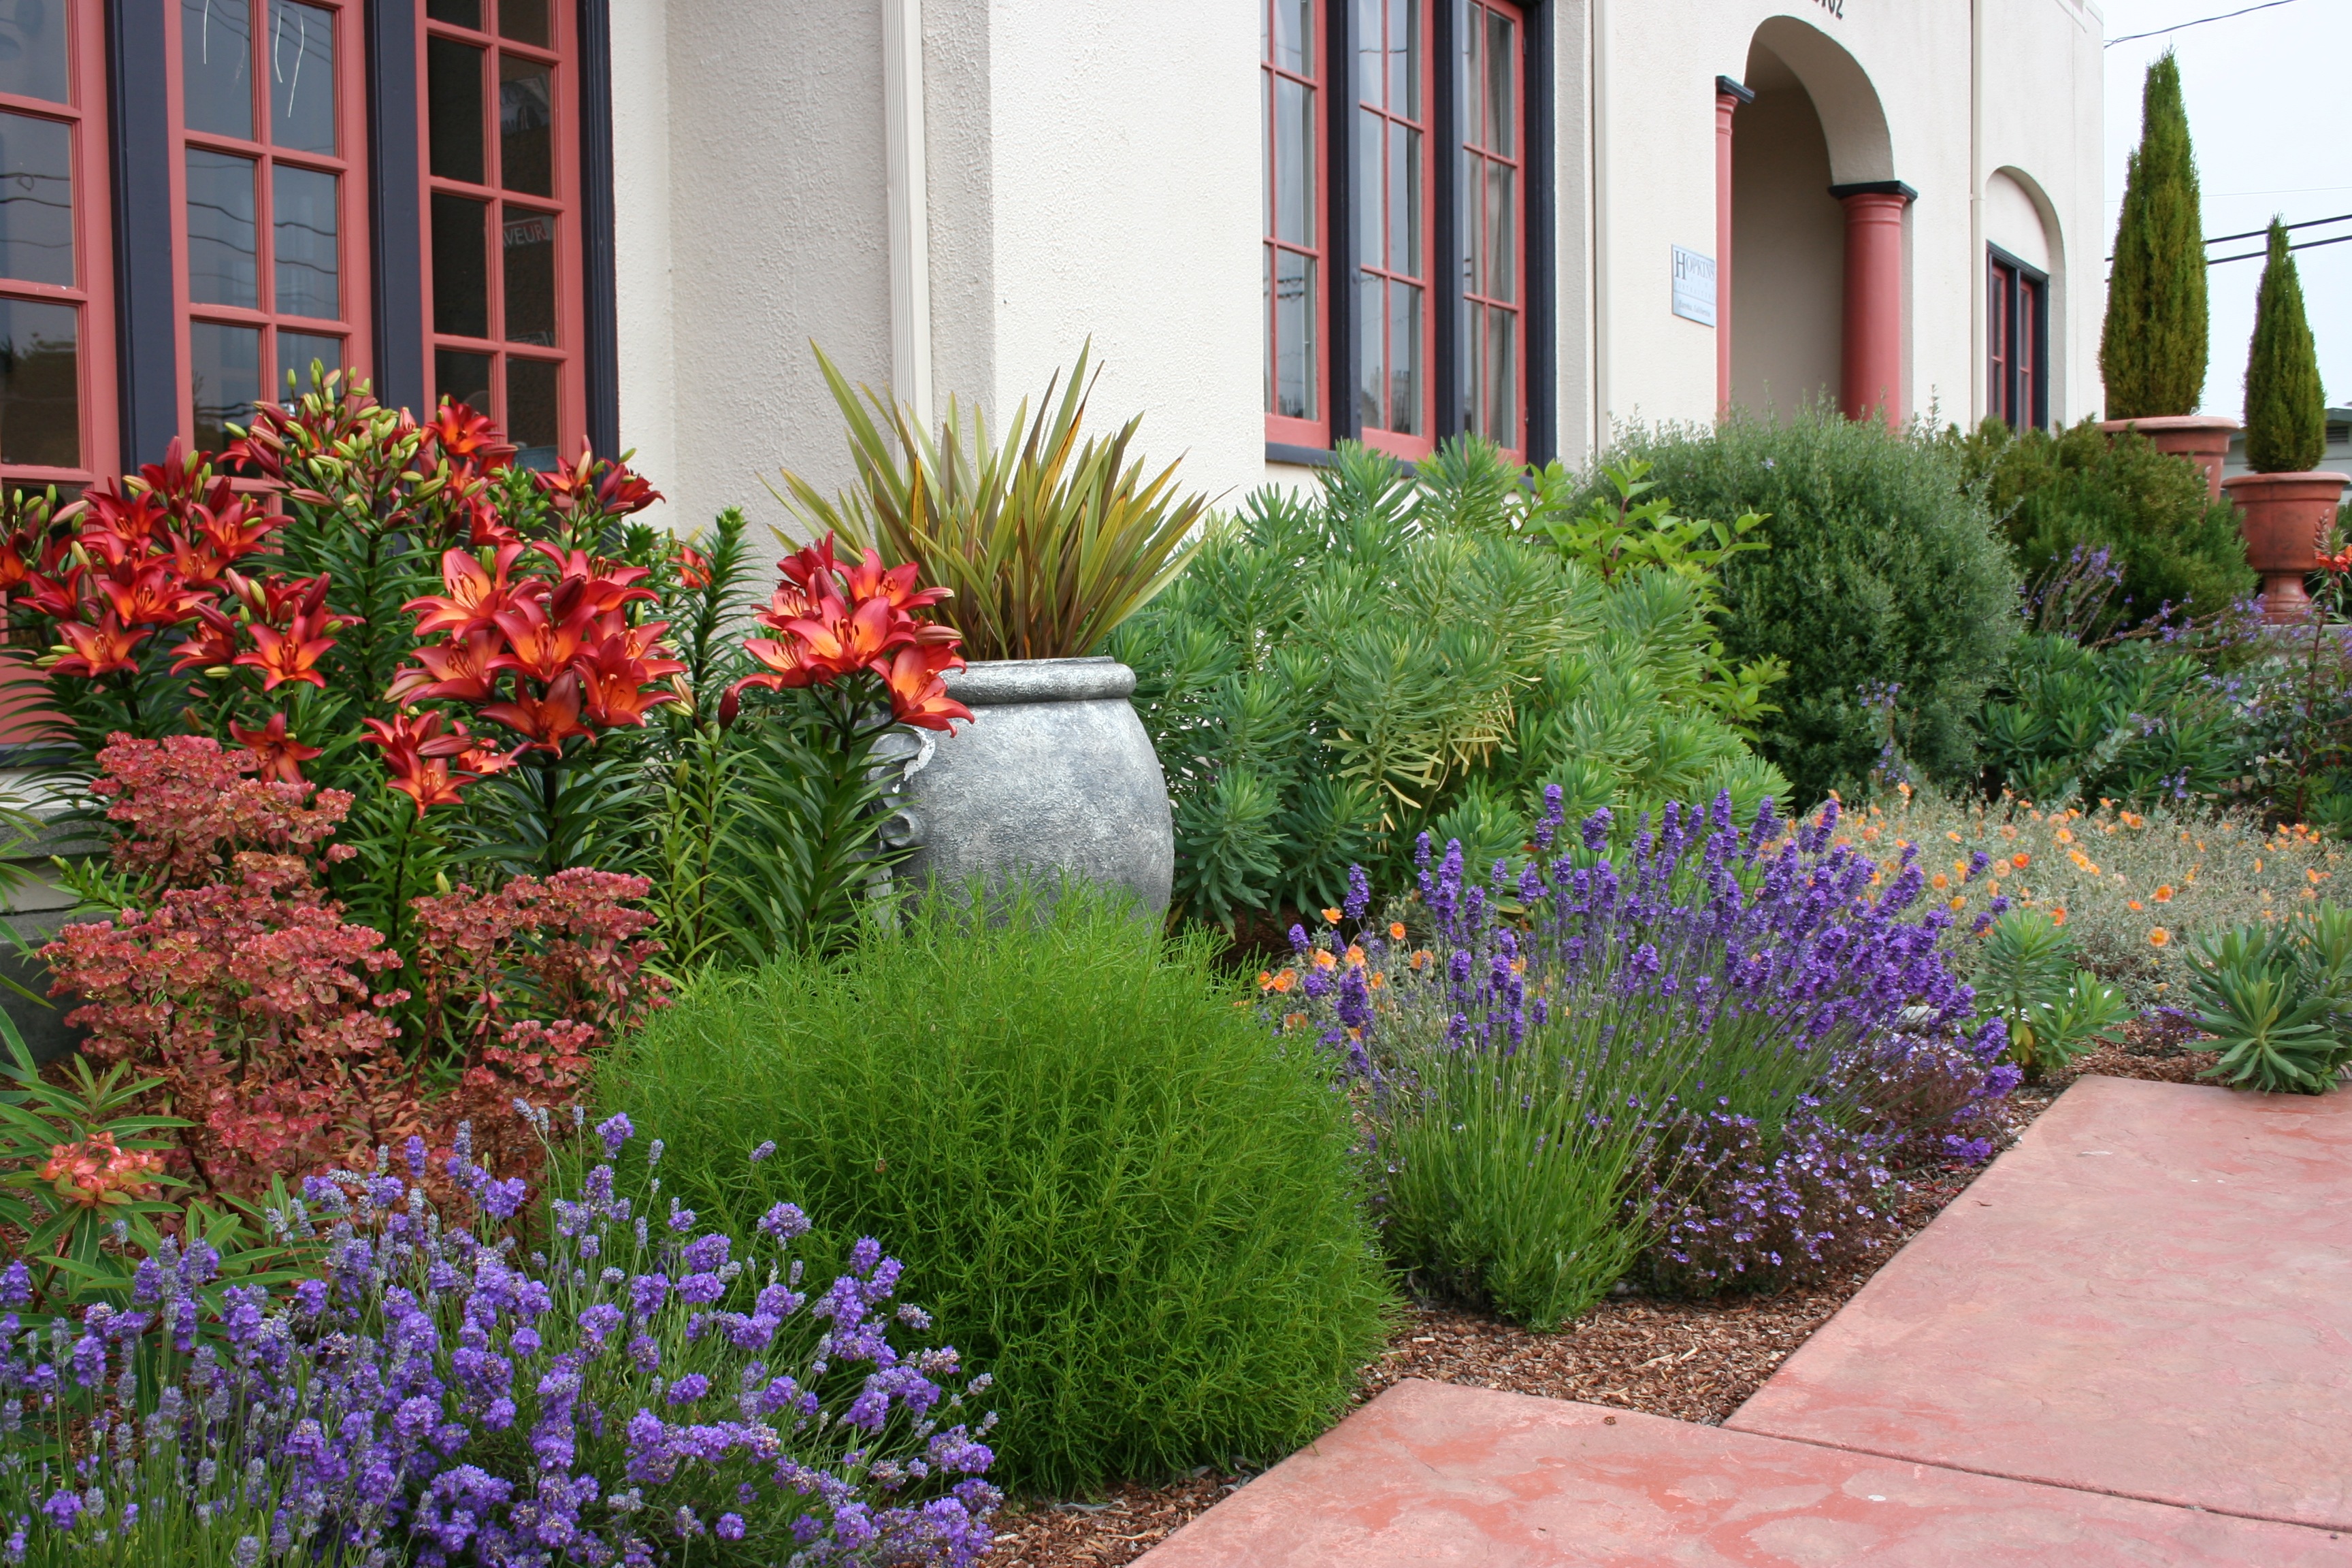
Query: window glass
x=295 y=352
x=223 y=265
x=216 y=61
x=457 y=13
x=33 y=51
x=524 y=21
x=1291 y=293
x=531 y=411
x=301 y=77
x=530 y=278
x=526 y=124
x=461 y=276
x=40 y=384
x=35 y=200
x=225 y=377
x=453 y=109
x=463 y=377
x=302 y=214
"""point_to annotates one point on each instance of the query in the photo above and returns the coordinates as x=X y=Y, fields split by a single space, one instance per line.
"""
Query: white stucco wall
x=1096 y=170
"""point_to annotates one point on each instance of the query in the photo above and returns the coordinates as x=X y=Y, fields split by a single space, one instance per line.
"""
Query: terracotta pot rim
x=2173 y=422
x=2314 y=476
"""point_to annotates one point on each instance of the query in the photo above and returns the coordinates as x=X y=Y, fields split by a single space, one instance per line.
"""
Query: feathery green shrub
x=2152 y=348
x=1410 y=651
x=1882 y=571
x=2286 y=412
x=1131 y=1207
x=2079 y=489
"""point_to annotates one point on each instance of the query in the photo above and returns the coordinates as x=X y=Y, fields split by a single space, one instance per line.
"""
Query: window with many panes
x=2016 y=341
x=270 y=198
x=1492 y=193
x=1295 y=314
x=502 y=197
x=1432 y=108
x=57 y=337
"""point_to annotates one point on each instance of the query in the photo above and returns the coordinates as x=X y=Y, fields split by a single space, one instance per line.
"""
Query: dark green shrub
x=2062 y=496
x=2286 y=413
x=1882 y=571
x=2152 y=347
x=1104 y=1177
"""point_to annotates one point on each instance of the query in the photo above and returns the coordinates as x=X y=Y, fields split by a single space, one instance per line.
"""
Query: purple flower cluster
x=1769 y=1002
x=619 y=1394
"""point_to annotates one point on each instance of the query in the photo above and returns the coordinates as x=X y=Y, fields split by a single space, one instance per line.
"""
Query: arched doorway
x=1817 y=225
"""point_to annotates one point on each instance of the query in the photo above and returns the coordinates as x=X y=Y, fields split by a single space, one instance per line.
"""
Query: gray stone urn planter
x=1055 y=774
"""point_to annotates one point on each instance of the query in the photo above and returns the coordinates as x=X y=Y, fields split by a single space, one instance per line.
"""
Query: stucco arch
x=2052 y=261
x=1853 y=121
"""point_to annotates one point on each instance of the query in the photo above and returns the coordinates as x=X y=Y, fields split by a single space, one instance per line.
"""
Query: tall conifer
x=2286 y=413
x=2152 y=352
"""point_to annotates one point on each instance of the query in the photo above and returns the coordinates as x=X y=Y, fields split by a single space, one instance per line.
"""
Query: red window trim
x=1282 y=429
x=1395 y=443
x=1473 y=154
x=92 y=172
x=354 y=295
x=563 y=156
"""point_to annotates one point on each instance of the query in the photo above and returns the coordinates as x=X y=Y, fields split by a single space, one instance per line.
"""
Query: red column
x=1870 y=367
x=1728 y=96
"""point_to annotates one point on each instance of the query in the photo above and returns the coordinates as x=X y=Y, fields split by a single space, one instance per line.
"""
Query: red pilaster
x=1728 y=96
x=1870 y=367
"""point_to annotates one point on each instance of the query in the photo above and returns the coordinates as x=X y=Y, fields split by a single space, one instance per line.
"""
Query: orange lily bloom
x=462 y=670
x=97 y=651
x=543 y=647
x=281 y=755
x=476 y=594
x=290 y=655
x=917 y=696
x=548 y=721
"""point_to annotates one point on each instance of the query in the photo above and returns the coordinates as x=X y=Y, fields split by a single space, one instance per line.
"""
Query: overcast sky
x=2266 y=98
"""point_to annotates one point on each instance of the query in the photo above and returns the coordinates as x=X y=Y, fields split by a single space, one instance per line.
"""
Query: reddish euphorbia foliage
x=268 y=1016
x=838 y=620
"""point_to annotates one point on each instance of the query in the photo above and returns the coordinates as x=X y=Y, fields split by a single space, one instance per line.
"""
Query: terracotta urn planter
x=2202 y=438
x=2285 y=517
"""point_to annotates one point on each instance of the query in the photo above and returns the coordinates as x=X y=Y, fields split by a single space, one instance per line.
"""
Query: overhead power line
x=2256 y=255
x=2247 y=11
x=2259 y=233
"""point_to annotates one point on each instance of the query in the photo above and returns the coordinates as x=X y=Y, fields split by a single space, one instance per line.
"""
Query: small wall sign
x=1694 y=286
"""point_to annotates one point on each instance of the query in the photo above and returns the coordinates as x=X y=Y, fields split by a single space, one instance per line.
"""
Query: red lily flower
x=788 y=665
x=281 y=755
x=290 y=655
x=238 y=530
x=426 y=780
x=211 y=645
x=840 y=643
x=543 y=647
x=415 y=734
x=17 y=558
x=811 y=576
x=868 y=580
x=693 y=567
x=119 y=528
x=465 y=436
x=149 y=598
x=482 y=761
x=624 y=490
x=917 y=696
x=462 y=670
x=549 y=721
x=59 y=600
x=604 y=584
x=613 y=685
x=476 y=596
x=97 y=651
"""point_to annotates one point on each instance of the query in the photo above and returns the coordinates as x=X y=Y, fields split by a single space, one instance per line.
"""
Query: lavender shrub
x=641 y=1391
x=1700 y=1055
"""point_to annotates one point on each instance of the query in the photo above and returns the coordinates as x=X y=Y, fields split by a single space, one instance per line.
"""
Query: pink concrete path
x=2128 y=1342
x=2151 y=1295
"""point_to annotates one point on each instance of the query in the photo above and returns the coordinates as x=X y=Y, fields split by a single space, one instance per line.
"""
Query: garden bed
x=1691 y=1361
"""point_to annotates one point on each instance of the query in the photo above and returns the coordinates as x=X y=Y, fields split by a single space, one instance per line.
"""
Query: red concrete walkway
x=2129 y=1342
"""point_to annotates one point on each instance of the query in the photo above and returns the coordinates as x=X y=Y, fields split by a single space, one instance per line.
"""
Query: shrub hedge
x=1882 y=571
x=1115 y=1192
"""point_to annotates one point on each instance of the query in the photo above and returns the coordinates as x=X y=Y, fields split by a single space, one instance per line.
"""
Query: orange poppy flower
x=2164 y=894
x=1332 y=915
x=2157 y=937
x=1396 y=931
x=2020 y=859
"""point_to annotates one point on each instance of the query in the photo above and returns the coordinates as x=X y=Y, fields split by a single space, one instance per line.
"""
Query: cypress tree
x=2152 y=350
x=2286 y=413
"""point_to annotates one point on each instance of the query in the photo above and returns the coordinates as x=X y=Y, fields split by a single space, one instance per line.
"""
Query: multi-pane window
x=503 y=215
x=1394 y=312
x=1292 y=37
x=1492 y=213
x=271 y=180
x=1388 y=316
x=57 y=355
x=2017 y=342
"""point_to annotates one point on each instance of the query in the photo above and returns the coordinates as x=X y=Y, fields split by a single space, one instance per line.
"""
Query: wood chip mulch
x=1691 y=1361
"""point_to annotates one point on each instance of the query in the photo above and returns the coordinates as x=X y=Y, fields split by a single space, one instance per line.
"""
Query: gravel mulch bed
x=1691 y=1361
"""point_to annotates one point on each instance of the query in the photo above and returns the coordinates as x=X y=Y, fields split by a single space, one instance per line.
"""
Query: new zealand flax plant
x=1048 y=540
